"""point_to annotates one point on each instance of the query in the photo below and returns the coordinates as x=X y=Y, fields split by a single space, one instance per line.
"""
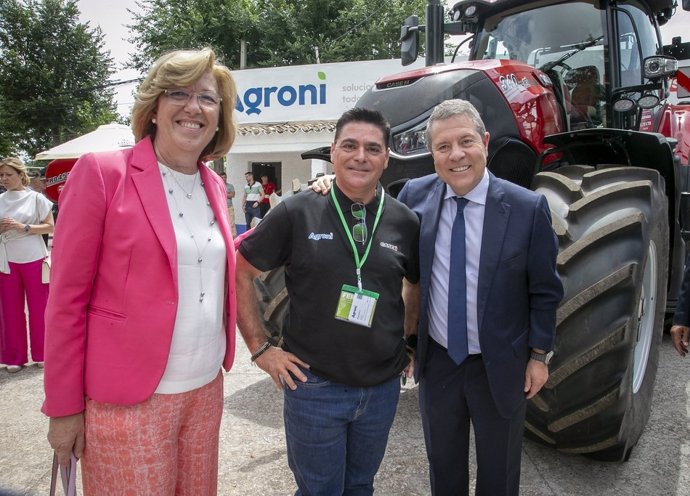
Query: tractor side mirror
x=409 y=40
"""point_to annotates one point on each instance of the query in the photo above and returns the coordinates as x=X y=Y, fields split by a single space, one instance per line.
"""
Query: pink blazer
x=113 y=296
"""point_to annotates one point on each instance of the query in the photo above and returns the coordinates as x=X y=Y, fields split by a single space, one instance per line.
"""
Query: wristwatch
x=27 y=227
x=545 y=358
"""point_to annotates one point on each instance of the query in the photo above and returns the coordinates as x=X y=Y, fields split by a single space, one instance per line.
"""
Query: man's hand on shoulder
x=322 y=184
x=282 y=366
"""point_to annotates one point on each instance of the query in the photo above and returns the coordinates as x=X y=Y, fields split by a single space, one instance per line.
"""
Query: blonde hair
x=17 y=165
x=182 y=68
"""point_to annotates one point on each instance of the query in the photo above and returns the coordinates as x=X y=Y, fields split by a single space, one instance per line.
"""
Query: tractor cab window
x=496 y=49
x=566 y=41
x=637 y=39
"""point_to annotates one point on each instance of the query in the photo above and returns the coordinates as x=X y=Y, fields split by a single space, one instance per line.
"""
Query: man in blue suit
x=480 y=356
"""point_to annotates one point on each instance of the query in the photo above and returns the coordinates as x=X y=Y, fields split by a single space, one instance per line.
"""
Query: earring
x=217 y=128
x=153 y=120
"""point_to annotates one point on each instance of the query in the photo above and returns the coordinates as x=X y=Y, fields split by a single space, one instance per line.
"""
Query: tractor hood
x=514 y=99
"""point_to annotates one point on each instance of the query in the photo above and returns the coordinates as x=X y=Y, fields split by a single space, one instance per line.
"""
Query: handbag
x=45 y=270
x=68 y=477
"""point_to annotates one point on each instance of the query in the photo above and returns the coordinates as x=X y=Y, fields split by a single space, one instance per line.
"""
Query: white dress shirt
x=440 y=268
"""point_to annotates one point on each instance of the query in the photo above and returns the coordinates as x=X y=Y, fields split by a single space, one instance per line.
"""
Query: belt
x=435 y=344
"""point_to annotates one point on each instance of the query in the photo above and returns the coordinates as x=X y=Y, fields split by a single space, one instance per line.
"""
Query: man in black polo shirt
x=345 y=256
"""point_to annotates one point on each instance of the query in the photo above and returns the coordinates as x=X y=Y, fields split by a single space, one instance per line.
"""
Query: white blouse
x=198 y=343
x=28 y=207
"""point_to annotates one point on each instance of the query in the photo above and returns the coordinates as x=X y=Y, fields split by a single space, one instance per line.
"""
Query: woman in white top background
x=24 y=216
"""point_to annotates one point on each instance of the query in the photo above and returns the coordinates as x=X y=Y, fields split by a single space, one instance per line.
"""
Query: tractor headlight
x=659 y=66
x=623 y=105
x=412 y=141
x=648 y=101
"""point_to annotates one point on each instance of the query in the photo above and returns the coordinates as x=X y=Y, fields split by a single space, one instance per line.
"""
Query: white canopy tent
x=107 y=137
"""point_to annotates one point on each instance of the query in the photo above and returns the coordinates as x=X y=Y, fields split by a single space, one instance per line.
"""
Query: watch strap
x=541 y=357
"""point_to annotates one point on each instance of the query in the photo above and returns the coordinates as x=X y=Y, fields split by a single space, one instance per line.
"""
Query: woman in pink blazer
x=141 y=315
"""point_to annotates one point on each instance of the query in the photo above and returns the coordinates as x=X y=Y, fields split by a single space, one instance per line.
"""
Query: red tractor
x=574 y=94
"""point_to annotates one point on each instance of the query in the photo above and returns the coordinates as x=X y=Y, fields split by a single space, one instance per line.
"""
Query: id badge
x=356 y=306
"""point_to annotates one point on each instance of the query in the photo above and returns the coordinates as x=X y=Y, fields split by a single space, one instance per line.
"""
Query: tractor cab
x=604 y=59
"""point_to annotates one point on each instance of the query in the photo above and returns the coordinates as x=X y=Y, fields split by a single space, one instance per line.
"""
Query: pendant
x=189 y=196
x=199 y=259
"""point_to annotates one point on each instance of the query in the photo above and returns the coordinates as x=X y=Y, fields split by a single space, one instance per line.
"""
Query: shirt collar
x=477 y=194
x=372 y=206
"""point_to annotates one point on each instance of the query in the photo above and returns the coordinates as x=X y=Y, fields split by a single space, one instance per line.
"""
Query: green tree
x=53 y=76
x=295 y=31
x=164 y=25
x=277 y=32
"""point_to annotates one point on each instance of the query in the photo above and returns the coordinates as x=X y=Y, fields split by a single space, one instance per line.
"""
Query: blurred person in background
x=37 y=183
x=142 y=316
x=269 y=188
x=24 y=216
x=251 y=200
x=230 y=194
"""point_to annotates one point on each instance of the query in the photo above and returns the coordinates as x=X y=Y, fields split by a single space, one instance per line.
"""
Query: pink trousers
x=166 y=445
x=22 y=286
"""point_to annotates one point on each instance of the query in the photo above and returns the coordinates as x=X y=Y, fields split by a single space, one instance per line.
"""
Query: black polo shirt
x=304 y=233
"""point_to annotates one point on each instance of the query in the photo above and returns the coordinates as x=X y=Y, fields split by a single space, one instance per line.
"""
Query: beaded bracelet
x=260 y=351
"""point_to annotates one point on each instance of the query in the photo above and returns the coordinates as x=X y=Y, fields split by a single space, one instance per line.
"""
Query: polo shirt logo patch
x=389 y=246
x=320 y=236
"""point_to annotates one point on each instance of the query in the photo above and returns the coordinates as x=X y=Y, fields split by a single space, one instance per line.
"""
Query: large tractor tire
x=612 y=228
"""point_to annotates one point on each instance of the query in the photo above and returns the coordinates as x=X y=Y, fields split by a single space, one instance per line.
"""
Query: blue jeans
x=250 y=212
x=336 y=434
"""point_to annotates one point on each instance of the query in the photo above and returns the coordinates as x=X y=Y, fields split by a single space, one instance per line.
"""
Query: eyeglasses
x=359 y=230
x=205 y=99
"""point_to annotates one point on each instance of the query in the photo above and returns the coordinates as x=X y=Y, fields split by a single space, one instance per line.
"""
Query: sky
x=113 y=16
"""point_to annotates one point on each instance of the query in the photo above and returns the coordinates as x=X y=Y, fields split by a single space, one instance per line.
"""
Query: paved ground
x=253 y=459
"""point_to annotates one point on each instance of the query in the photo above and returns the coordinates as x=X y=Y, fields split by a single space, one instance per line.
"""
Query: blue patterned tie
x=457 y=289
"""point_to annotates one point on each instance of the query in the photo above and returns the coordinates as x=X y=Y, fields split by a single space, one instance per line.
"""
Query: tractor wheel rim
x=645 y=319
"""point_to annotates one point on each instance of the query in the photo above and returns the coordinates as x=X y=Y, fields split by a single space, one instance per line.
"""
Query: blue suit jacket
x=519 y=288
